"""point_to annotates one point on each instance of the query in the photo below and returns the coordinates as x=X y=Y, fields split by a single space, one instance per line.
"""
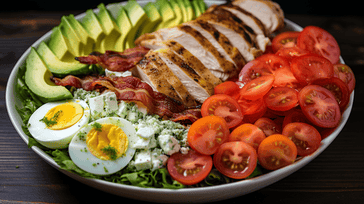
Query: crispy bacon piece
x=116 y=61
x=132 y=89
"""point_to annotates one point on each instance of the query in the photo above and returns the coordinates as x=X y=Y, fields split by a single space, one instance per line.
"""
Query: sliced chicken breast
x=268 y=12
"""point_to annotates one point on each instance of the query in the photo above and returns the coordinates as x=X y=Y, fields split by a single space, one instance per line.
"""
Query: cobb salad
x=278 y=109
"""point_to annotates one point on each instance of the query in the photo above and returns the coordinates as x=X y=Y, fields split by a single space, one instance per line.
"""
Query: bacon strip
x=115 y=61
x=132 y=89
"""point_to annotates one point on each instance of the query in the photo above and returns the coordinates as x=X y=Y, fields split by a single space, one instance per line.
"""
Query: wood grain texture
x=335 y=176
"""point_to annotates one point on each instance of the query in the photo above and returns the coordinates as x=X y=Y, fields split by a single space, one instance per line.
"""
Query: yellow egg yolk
x=63 y=116
x=107 y=142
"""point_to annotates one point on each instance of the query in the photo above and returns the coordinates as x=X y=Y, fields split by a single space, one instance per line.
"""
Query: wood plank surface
x=335 y=176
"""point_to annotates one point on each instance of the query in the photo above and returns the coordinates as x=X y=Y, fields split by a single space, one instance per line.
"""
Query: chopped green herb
x=97 y=126
x=105 y=169
x=52 y=121
x=110 y=151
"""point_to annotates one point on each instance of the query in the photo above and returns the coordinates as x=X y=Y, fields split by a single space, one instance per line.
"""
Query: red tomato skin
x=291 y=52
x=257 y=88
x=228 y=87
x=236 y=150
x=310 y=67
x=254 y=69
x=338 y=88
x=224 y=106
x=249 y=134
x=319 y=41
x=309 y=106
x=208 y=144
x=281 y=98
x=344 y=72
x=201 y=174
x=272 y=147
x=285 y=40
x=306 y=137
x=268 y=126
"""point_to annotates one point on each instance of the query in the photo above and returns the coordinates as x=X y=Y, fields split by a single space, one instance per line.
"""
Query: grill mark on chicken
x=226 y=65
x=193 y=62
x=224 y=42
x=176 y=86
x=238 y=25
x=255 y=19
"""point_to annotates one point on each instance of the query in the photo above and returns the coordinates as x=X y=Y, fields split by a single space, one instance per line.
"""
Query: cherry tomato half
x=319 y=106
x=338 y=88
x=310 y=67
x=190 y=168
x=249 y=134
x=228 y=87
x=257 y=88
x=236 y=160
x=207 y=134
x=224 y=106
x=306 y=137
x=276 y=151
x=284 y=40
x=319 y=41
x=268 y=126
x=281 y=98
x=344 y=72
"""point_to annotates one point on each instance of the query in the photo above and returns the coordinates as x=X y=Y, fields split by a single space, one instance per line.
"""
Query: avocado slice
x=178 y=11
x=167 y=13
x=58 y=67
x=83 y=35
x=37 y=77
x=71 y=36
x=154 y=18
x=189 y=9
x=136 y=16
x=111 y=30
x=196 y=8
x=60 y=46
x=125 y=26
x=92 y=25
x=202 y=5
x=183 y=9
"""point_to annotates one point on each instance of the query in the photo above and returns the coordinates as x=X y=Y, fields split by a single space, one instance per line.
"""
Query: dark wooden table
x=335 y=176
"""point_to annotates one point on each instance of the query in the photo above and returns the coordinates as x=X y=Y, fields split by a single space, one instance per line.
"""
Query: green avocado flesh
x=111 y=27
x=37 y=78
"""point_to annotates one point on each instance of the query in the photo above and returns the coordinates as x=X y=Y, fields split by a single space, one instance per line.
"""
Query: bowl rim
x=198 y=194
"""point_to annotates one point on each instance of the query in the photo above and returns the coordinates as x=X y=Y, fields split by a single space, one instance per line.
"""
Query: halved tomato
x=280 y=68
x=207 y=134
x=290 y=52
x=249 y=107
x=294 y=115
x=276 y=151
x=308 y=68
x=248 y=133
x=284 y=40
x=306 y=137
x=254 y=69
x=224 y=106
x=228 y=87
x=257 y=88
x=190 y=168
x=338 y=88
x=344 y=72
x=319 y=106
x=281 y=98
x=319 y=41
x=268 y=126
x=236 y=160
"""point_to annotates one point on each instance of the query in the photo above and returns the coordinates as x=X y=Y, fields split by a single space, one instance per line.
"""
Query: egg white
x=84 y=159
x=55 y=139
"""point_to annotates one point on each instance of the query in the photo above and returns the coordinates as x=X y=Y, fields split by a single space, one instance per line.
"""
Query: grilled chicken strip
x=208 y=50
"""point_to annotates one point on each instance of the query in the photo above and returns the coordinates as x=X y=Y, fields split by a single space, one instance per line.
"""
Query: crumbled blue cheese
x=159 y=160
x=143 y=160
x=103 y=105
x=169 y=144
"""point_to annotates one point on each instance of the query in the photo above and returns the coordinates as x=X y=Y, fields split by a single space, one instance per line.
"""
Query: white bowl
x=191 y=195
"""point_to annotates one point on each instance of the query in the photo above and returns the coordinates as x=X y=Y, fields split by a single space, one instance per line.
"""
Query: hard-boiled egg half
x=104 y=146
x=54 y=124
